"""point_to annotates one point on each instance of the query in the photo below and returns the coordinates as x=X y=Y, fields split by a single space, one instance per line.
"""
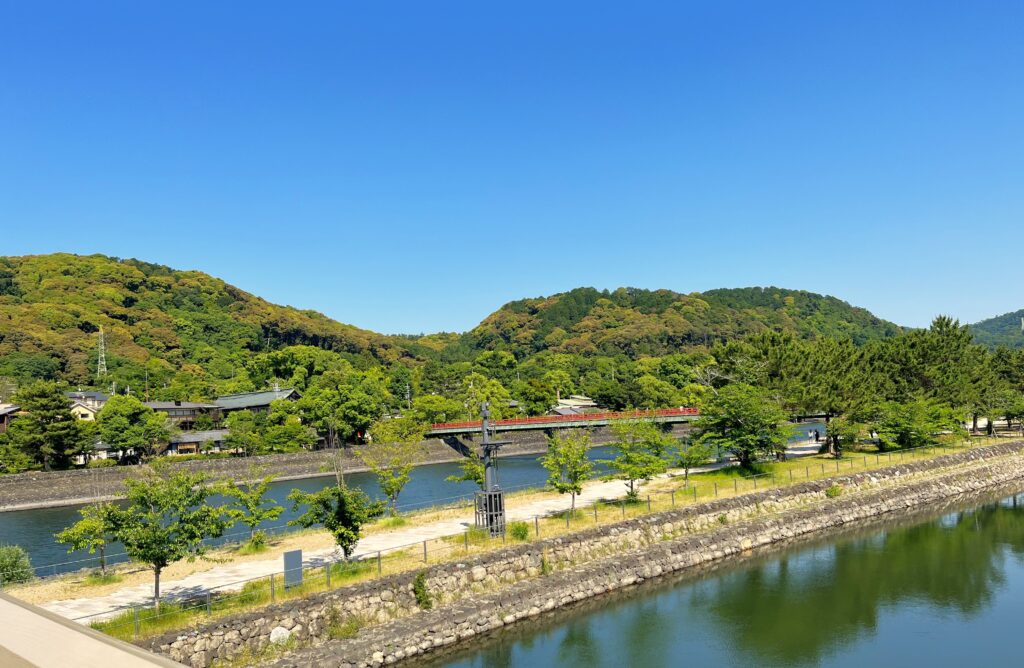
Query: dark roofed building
x=257 y=402
x=7 y=413
x=193 y=442
x=185 y=413
x=89 y=399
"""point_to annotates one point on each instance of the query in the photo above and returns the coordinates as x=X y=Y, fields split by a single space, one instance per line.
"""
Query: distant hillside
x=1004 y=330
x=155 y=319
x=644 y=322
x=187 y=335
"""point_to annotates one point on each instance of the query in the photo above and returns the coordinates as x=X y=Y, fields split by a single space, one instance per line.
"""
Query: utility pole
x=490 y=502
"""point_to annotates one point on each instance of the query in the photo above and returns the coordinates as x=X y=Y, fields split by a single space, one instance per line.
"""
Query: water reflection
x=930 y=591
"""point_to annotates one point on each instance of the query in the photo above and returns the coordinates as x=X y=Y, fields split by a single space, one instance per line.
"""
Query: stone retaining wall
x=694 y=534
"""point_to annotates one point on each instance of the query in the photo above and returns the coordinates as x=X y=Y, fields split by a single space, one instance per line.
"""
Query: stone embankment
x=492 y=590
x=40 y=489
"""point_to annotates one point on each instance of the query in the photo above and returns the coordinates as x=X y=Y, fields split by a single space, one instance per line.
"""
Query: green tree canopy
x=567 y=463
x=745 y=421
x=641 y=448
x=166 y=519
x=125 y=423
x=341 y=510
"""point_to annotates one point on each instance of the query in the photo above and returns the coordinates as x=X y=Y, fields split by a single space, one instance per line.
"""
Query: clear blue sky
x=410 y=166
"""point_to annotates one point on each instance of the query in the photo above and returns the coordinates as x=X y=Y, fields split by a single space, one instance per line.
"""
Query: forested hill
x=1003 y=330
x=155 y=319
x=188 y=335
x=645 y=322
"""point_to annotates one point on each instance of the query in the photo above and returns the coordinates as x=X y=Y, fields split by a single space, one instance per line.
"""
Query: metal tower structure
x=101 y=358
x=490 y=502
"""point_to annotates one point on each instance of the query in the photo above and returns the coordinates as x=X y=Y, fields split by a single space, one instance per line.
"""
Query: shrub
x=101 y=463
x=419 y=589
x=723 y=519
x=834 y=491
x=15 y=565
x=519 y=530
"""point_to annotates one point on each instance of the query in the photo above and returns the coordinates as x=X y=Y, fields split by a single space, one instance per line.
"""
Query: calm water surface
x=948 y=591
x=34 y=529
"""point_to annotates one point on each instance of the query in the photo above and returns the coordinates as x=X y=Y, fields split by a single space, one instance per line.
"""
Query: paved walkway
x=231 y=577
x=34 y=638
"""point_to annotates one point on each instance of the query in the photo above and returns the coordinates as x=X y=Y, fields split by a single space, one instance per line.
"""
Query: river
x=945 y=591
x=34 y=529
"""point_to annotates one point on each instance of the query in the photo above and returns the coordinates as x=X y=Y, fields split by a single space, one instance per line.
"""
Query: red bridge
x=670 y=415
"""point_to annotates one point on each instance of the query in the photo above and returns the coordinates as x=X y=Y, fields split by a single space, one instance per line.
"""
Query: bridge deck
x=669 y=415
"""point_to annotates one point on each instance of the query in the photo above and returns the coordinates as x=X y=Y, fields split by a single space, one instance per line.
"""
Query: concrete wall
x=655 y=544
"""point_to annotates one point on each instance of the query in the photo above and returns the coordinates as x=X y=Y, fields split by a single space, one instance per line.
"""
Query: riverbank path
x=229 y=577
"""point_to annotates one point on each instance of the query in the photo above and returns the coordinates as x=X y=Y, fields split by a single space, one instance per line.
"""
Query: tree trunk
x=103 y=559
x=572 y=507
x=156 y=589
x=974 y=423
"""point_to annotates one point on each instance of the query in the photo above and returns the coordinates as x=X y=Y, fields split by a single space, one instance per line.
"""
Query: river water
x=34 y=529
x=945 y=591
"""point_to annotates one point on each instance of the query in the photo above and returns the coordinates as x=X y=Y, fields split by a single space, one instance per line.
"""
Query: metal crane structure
x=490 y=502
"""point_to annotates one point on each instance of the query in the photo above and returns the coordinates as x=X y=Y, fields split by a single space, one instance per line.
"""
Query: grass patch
x=393 y=522
x=95 y=579
x=833 y=492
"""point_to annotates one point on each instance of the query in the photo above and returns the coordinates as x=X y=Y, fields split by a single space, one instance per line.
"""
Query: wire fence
x=190 y=605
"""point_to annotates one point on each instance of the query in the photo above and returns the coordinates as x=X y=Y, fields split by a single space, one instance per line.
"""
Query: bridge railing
x=583 y=417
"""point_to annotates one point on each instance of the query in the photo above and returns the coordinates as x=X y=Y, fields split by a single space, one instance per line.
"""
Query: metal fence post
x=536 y=526
x=465 y=539
x=209 y=602
x=273 y=595
x=673 y=498
x=735 y=486
x=135 y=610
x=791 y=475
x=648 y=503
x=567 y=519
x=380 y=565
x=755 y=482
x=424 y=551
x=595 y=512
x=327 y=575
x=623 y=505
x=807 y=472
x=695 y=494
x=716 y=490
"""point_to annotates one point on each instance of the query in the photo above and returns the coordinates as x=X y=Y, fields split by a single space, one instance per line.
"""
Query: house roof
x=170 y=405
x=91 y=409
x=79 y=394
x=199 y=436
x=9 y=409
x=255 y=399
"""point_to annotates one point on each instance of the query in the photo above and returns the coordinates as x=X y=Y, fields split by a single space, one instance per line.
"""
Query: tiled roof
x=200 y=436
x=254 y=399
x=168 y=405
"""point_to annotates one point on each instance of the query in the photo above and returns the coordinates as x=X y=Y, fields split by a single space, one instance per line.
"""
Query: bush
x=101 y=463
x=15 y=565
x=834 y=491
x=419 y=589
x=519 y=530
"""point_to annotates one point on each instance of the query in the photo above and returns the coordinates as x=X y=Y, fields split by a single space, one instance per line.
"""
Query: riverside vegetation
x=188 y=336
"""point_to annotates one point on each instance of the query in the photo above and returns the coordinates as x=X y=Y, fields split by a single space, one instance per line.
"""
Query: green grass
x=102 y=578
x=393 y=522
